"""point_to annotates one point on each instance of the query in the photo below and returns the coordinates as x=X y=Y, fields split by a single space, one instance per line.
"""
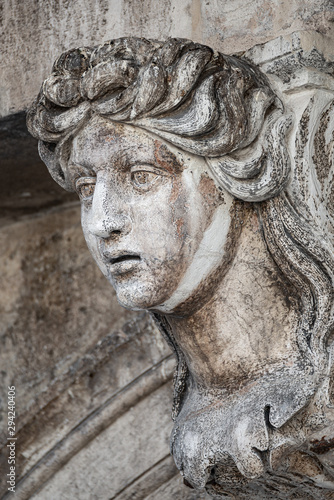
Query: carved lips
x=121 y=263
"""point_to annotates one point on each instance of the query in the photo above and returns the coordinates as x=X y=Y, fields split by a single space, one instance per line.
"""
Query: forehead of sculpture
x=102 y=143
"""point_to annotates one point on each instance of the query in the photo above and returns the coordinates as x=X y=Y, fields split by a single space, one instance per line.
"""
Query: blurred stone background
x=93 y=381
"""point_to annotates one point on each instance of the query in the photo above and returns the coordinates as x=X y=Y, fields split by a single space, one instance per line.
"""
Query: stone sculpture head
x=93 y=111
x=169 y=146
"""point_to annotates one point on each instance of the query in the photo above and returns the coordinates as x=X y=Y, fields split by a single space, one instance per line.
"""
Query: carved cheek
x=191 y=211
x=211 y=196
x=178 y=204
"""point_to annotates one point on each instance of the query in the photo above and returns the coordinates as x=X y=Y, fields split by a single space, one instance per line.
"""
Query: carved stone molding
x=207 y=198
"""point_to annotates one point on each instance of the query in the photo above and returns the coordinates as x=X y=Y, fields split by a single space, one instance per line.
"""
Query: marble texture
x=206 y=195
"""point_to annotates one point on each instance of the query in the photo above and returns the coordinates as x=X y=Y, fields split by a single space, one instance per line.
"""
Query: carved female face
x=152 y=215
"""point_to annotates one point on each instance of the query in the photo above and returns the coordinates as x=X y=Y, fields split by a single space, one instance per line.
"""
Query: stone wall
x=93 y=381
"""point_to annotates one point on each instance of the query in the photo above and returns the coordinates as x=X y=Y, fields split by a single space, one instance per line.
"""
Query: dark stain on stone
x=287 y=66
x=323 y=445
x=166 y=159
x=301 y=142
x=322 y=158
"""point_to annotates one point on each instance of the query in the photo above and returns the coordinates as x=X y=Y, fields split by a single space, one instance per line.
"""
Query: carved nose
x=110 y=226
x=108 y=217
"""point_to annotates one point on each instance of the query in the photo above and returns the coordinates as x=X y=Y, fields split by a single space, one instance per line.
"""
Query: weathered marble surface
x=207 y=199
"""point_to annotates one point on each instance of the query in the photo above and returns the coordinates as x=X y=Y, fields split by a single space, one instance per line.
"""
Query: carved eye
x=85 y=187
x=143 y=177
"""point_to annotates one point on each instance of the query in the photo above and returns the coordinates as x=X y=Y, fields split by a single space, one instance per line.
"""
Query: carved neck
x=247 y=326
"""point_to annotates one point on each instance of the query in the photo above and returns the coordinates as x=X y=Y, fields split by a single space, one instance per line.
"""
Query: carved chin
x=136 y=294
x=133 y=298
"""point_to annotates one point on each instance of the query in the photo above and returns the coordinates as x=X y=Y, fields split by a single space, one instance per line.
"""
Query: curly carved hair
x=200 y=100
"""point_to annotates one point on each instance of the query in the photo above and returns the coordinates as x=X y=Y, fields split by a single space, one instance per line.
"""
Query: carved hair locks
x=206 y=103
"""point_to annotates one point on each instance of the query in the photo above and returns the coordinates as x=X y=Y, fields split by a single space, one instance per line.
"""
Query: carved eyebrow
x=152 y=164
x=128 y=158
